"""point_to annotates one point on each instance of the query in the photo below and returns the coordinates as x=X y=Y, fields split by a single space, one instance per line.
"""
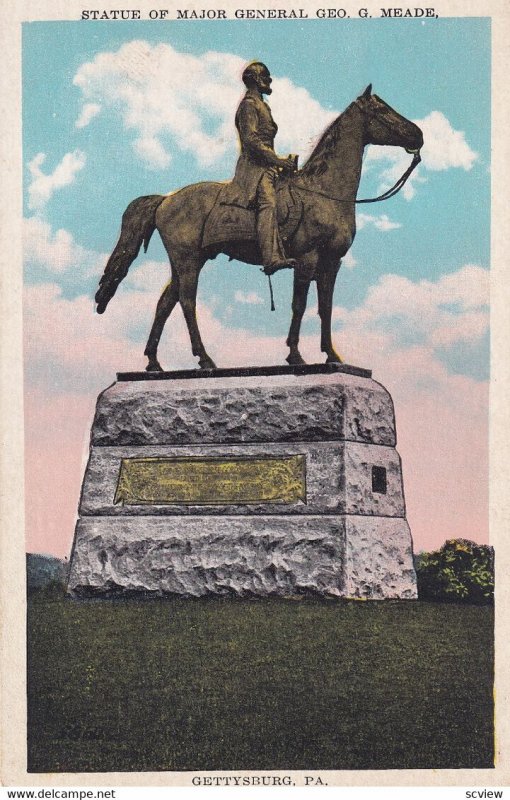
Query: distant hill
x=43 y=570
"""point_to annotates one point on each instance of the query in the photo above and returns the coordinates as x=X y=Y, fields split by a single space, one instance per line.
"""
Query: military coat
x=257 y=131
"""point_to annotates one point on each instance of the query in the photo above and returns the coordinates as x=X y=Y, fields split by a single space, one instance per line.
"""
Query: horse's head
x=384 y=125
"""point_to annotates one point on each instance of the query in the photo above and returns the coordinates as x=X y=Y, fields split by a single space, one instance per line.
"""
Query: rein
x=384 y=196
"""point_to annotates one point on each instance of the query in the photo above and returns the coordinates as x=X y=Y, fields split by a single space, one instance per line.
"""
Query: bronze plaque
x=211 y=481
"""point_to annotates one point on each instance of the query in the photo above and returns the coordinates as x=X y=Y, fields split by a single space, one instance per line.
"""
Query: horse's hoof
x=335 y=359
x=102 y=298
x=207 y=363
x=101 y=307
x=154 y=366
x=295 y=360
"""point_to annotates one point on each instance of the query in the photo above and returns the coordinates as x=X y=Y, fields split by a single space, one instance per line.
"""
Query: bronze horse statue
x=326 y=187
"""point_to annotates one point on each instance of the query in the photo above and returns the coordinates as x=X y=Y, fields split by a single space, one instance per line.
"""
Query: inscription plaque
x=211 y=481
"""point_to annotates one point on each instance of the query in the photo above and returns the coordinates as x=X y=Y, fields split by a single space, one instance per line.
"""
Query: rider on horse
x=323 y=235
x=259 y=168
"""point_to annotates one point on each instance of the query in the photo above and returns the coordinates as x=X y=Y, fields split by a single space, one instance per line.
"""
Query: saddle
x=232 y=223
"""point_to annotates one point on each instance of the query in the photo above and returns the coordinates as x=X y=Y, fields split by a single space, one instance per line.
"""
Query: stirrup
x=270 y=269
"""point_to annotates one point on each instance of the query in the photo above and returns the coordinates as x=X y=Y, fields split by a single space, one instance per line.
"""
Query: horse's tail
x=138 y=225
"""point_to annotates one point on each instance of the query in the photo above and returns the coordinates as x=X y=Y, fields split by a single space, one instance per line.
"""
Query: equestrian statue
x=271 y=214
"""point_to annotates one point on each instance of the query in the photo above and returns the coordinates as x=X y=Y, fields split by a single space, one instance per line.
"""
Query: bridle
x=399 y=184
x=389 y=192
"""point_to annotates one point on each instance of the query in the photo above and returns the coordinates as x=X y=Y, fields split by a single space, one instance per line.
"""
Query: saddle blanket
x=229 y=223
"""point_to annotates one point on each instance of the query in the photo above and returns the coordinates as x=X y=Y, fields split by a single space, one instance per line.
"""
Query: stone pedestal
x=265 y=481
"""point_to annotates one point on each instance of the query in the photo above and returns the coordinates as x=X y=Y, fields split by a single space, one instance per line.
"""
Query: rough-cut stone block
x=263 y=555
x=195 y=556
x=360 y=497
x=278 y=408
x=378 y=559
x=341 y=531
x=338 y=480
x=323 y=485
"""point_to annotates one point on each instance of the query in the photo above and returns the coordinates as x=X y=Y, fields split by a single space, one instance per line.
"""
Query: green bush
x=54 y=588
x=459 y=572
x=46 y=573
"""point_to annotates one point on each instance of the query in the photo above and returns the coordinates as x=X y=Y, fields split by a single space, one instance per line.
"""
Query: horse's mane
x=320 y=157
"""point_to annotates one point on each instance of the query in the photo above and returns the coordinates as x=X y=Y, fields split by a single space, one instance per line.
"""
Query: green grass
x=224 y=684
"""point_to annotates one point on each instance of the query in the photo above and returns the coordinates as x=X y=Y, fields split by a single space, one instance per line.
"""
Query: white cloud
x=167 y=97
x=444 y=148
x=171 y=99
x=57 y=251
x=43 y=186
x=382 y=222
x=152 y=152
x=250 y=298
x=301 y=119
x=349 y=261
x=147 y=275
x=88 y=112
x=434 y=314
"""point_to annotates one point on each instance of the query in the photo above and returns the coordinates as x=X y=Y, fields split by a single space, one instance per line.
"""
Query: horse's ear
x=368 y=91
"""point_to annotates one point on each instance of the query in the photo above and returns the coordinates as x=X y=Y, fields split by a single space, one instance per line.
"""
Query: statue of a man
x=258 y=167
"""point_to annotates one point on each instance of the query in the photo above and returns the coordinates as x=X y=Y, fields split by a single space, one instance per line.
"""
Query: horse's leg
x=299 y=297
x=188 y=283
x=303 y=274
x=166 y=305
x=325 y=285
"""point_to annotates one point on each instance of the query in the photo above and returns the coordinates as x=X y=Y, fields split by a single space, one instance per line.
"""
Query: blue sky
x=115 y=110
x=416 y=66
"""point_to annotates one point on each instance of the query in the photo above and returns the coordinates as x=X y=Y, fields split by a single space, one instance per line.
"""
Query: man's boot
x=271 y=246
